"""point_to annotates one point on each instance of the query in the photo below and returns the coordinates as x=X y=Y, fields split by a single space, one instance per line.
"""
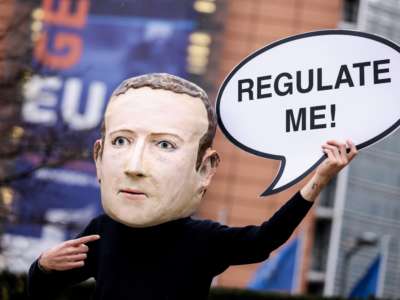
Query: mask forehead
x=157 y=111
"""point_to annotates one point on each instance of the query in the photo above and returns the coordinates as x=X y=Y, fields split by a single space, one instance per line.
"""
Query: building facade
x=234 y=194
x=362 y=201
x=366 y=197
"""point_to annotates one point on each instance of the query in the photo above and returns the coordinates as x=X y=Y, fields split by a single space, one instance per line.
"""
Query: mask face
x=148 y=166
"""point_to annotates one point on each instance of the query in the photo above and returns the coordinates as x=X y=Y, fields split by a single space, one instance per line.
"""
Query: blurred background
x=61 y=59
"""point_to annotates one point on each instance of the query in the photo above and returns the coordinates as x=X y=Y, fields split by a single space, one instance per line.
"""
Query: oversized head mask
x=147 y=161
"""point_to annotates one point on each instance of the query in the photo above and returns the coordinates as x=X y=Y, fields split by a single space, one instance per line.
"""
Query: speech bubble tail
x=270 y=190
x=282 y=182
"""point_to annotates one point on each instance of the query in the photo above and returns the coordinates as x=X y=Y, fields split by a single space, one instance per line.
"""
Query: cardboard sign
x=287 y=99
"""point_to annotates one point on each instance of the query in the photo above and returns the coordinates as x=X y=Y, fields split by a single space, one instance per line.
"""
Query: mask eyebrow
x=153 y=134
x=166 y=134
x=121 y=130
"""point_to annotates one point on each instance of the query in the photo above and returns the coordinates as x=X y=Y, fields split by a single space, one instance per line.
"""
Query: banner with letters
x=83 y=51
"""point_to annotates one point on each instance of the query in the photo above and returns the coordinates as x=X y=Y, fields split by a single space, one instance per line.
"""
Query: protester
x=154 y=162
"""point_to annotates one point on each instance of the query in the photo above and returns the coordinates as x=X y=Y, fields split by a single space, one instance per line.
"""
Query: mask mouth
x=132 y=192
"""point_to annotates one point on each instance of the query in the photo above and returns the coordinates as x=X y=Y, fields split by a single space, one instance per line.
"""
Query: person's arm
x=251 y=244
x=61 y=266
x=254 y=243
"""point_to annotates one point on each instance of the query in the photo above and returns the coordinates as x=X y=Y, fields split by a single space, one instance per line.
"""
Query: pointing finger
x=83 y=240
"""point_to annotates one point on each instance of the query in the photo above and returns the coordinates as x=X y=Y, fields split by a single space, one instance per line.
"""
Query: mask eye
x=165 y=145
x=120 y=141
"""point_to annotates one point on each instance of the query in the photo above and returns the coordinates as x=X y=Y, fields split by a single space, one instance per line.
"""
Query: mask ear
x=208 y=167
x=97 y=157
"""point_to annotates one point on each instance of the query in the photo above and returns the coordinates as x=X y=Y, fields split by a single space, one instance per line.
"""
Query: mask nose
x=134 y=164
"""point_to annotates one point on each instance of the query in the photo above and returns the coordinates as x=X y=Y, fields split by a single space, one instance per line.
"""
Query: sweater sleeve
x=251 y=244
x=46 y=285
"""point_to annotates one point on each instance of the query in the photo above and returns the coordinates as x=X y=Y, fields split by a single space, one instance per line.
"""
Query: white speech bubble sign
x=287 y=99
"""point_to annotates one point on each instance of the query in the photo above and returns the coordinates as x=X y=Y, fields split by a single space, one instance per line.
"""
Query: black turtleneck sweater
x=174 y=260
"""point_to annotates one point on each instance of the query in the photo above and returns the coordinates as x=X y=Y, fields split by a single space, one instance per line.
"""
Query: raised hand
x=339 y=155
x=338 y=158
x=67 y=255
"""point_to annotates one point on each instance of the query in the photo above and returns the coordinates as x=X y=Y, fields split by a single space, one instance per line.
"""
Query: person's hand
x=338 y=158
x=339 y=155
x=67 y=255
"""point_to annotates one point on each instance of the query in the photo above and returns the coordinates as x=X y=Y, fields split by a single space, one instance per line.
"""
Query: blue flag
x=280 y=273
x=368 y=284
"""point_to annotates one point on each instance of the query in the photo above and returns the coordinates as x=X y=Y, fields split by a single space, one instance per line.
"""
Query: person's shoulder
x=203 y=225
